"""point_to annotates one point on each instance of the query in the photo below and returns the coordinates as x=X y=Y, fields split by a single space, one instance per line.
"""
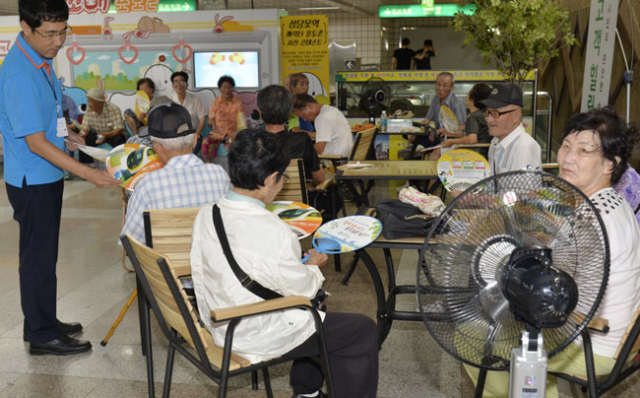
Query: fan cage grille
x=459 y=271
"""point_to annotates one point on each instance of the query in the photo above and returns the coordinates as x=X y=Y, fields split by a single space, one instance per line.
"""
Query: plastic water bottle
x=383 y=122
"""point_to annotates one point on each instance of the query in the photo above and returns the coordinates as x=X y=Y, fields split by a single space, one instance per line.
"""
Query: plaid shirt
x=111 y=114
x=185 y=181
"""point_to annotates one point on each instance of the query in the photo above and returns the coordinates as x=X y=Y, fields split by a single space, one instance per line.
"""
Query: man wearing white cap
x=102 y=122
x=511 y=148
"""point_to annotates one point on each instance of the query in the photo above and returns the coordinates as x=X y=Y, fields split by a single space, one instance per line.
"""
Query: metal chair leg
x=169 y=370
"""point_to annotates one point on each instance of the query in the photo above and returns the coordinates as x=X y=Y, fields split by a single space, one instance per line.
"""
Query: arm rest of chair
x=596 y=324
x=331 y=157
x=226 y=314
x=599 y=324
x=325 y=184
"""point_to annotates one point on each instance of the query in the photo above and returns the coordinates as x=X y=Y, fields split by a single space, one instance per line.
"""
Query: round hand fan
x=129 y=162
x=346 y=234
x=461 y=168
x=448 y=119
x=524 y=252
x=301 y=218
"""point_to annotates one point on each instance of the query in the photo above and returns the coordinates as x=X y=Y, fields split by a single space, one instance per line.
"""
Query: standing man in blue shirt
x=33 y=133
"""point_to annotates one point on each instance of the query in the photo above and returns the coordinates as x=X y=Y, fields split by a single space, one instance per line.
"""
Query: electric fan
x=375 y=97
x=525 y=256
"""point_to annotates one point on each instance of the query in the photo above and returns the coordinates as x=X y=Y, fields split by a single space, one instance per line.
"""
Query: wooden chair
x=622 y=369
x=362 y=150
x=125 y=203
x=179 y=322
x=295 y=188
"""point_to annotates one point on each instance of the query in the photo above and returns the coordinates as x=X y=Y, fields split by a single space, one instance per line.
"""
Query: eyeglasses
x=495 y=113
x=51 y=35
x=285 y=177
x=176 y=81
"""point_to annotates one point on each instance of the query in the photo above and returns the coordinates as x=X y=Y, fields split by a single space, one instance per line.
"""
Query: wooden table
x=388 y=170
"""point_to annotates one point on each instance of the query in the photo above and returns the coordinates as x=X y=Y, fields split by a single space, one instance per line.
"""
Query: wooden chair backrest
x=362 y=144
x=636 y=344
x=149 y=260
x=168 y=231
x=295 y=188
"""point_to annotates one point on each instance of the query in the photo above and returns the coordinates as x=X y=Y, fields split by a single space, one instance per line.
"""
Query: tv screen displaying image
x=243 y=66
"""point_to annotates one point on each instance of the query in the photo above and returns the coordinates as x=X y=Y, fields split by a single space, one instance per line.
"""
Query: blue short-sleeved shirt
x=27 y=106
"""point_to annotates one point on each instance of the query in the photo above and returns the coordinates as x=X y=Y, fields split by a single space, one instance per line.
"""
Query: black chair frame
x=200 y=360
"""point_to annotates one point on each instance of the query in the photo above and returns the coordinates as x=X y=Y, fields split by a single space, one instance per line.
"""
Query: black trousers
x=37 y=208
x=90 y=140
x=352 y=345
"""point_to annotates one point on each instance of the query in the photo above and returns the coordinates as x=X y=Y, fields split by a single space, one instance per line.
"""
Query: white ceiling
x=368 y=7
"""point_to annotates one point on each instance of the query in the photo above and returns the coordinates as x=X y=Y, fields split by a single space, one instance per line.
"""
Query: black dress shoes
x=65 y=345
x=69 y=329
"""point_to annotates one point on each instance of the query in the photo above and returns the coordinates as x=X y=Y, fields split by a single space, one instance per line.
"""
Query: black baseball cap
x=168 y=121
x=503 y=94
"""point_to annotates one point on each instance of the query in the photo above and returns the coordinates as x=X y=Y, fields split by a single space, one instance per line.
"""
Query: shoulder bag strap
x=248 y=283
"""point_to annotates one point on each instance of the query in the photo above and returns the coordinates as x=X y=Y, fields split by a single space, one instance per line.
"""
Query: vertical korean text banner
x=599 y=59
x=304 y=47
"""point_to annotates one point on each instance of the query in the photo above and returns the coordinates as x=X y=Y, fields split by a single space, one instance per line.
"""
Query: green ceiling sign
x=416 y=10
x=428 y=3
x=167 y=6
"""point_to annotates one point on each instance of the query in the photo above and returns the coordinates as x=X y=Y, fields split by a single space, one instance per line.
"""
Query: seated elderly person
x=275 y=104
x=143 y=137
x=137 y=118
x=269 y=253
x=594 y=154
x=333 y=133
x=184 y=181
x=102 y=123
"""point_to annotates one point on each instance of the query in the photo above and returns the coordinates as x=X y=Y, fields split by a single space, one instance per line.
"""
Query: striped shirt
x=185 y=181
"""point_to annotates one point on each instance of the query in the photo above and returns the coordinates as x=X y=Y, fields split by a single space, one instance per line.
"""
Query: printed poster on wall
x=599 y=59
x=304 y=47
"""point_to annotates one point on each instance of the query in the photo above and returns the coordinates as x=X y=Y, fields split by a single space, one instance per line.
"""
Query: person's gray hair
x=453 y=79
x=179 y=144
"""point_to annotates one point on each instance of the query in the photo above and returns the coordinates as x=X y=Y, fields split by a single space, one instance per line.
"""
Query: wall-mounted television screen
x=243 y=66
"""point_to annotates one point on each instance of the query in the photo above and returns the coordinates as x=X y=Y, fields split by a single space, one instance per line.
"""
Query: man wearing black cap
x=511 y=148
x=184 y=181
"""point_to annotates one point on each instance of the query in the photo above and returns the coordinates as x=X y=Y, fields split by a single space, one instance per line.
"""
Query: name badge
x=61 y=130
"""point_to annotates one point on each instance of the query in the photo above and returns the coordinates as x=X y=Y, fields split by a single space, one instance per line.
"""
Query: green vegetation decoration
x=516 y=34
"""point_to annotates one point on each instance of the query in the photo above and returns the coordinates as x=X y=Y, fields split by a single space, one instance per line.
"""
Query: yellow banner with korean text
x=304 y=48
x=462 y=75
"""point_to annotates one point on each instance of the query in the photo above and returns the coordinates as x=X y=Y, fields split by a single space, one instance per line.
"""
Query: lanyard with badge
x=61 y=126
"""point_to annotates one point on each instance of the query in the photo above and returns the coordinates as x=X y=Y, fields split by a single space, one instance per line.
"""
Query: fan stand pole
x=482 y=377
x=528 y=373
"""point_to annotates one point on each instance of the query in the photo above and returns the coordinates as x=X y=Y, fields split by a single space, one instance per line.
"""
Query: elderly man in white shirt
x=333 y=132
x=269 y=252
x=511 y=147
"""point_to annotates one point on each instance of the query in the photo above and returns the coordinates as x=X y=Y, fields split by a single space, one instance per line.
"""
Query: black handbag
x=402 y=220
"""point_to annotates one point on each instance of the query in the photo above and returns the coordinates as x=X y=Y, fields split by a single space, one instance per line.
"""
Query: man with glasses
x=180 y=81
x=33 y=133
x=511 y=147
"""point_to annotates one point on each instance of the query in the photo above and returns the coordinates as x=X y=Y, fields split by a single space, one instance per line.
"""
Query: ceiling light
x=318 y=8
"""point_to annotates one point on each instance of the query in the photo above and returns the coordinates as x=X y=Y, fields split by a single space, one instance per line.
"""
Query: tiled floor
x=93 y=288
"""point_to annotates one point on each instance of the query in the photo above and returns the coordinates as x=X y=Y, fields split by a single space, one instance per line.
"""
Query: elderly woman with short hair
x=595 y=151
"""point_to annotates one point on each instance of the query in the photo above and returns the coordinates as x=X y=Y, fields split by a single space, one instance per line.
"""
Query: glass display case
x=411 y=90
x=364 y=95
